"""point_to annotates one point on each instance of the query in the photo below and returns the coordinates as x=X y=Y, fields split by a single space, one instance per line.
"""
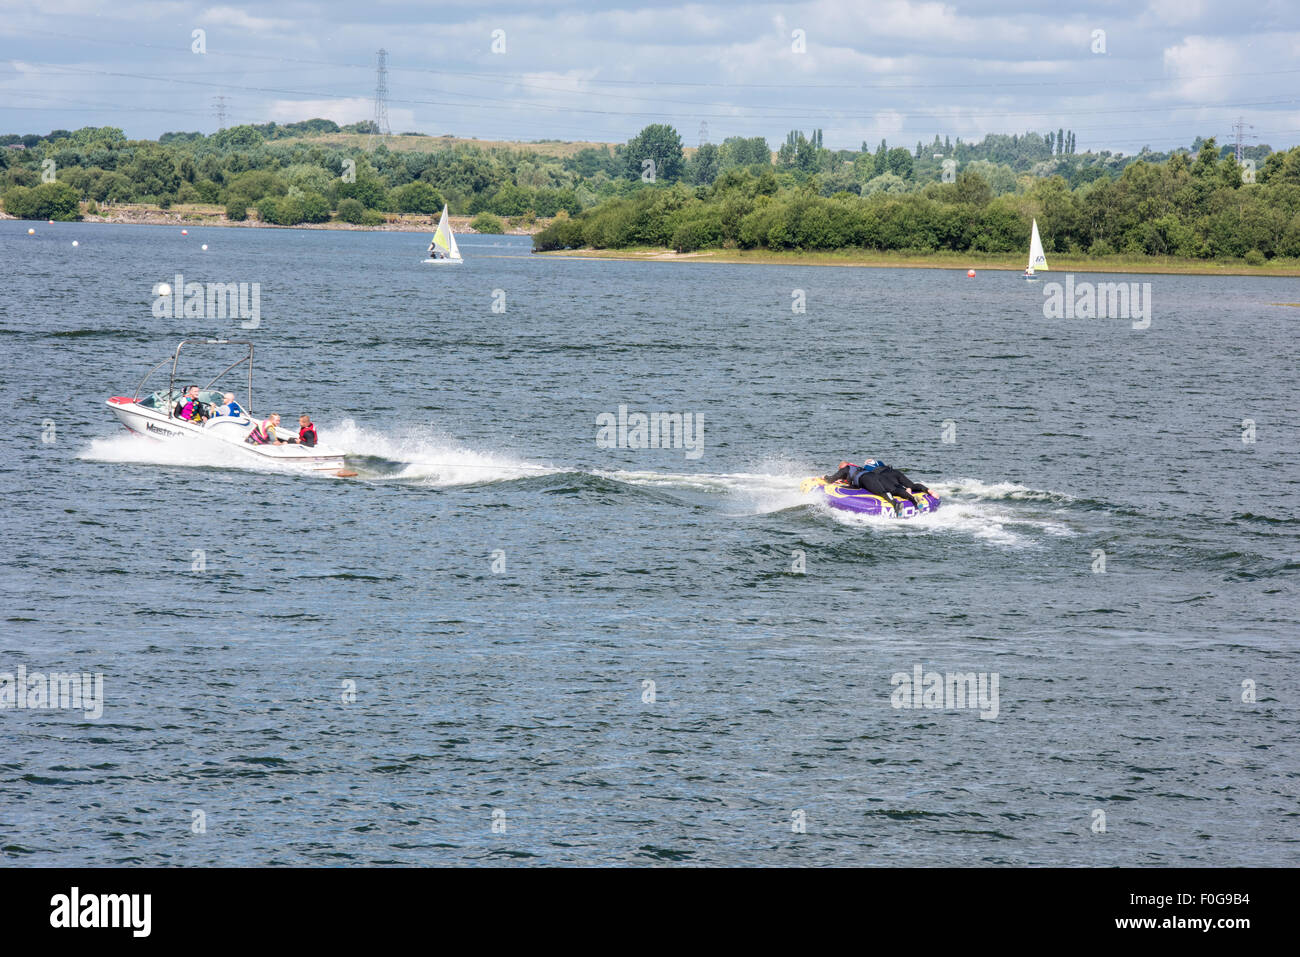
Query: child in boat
x=263 y=433
x=306 y=432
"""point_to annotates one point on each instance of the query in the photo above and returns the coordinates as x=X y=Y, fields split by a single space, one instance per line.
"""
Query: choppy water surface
x=498 y=591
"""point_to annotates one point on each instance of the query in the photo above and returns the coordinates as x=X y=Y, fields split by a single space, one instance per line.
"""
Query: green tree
x=899 y=162
x=702 y=168
x=417 y=197
x=367 y=189
x=315 y=208
x=808 y=156
x=972 y=189
x=884 y=183
x=351 y=211
x=741 y=151
x=656 y=150
x=487 y=223
x=57 y=201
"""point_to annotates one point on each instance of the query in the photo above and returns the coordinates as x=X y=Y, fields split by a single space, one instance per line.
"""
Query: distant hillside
x=416 y=143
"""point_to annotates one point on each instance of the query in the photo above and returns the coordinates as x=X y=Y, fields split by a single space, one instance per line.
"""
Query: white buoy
x=164 y=289
x=204 y=247
x=31 y=232
x=74 y=242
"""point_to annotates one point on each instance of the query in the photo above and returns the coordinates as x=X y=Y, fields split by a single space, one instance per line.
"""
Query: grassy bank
x=947 y=260
x=405 y=143
x=209 y=214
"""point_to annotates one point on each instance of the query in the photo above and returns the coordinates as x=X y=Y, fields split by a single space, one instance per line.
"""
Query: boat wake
x=995 y=513
x=128 y=448
x=414 y=457
x=419 y=457
x=1000 y=513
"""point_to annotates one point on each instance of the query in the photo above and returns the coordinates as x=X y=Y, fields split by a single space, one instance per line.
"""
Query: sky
x=1122 y=75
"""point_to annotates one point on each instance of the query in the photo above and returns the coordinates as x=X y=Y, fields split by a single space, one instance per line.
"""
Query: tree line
x=1202 y=206
x=940 y=195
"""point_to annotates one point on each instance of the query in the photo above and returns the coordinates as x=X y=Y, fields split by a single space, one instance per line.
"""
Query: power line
x=741 y=112
x=1105 y=83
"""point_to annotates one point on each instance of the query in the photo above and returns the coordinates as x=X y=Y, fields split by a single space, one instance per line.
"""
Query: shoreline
x=210 y=215
x=857 y=258
x=199 y=216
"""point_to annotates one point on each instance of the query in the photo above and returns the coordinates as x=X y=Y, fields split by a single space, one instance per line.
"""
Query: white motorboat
x=156 y=415
x=443 y=250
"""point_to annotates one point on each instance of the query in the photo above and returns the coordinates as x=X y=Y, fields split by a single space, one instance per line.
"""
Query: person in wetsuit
x=190 y=408
x=879 y=479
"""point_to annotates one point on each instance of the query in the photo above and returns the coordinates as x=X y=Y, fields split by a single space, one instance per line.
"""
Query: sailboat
x=442 y=248
x=1036 y=258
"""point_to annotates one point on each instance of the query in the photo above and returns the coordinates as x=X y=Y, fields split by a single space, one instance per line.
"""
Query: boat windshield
x=164 y=398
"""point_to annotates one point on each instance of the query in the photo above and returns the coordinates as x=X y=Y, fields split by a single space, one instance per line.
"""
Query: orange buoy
x=970 y=273
x=185 y=232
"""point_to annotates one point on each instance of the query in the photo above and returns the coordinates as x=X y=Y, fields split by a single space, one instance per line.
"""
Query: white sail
x=1037 y=260
x=444 y=245
x=451 y=239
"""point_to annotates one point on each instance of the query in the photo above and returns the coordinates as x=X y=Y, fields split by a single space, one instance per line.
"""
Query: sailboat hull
x=444 y=262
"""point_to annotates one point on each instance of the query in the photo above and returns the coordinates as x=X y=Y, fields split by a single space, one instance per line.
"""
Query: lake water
x=449 y=658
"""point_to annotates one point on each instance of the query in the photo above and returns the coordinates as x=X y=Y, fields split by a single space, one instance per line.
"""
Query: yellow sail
x=444 y=240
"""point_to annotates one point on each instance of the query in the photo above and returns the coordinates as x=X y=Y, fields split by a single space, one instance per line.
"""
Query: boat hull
x=444 y=262
x=861 y=502
x=225 y=433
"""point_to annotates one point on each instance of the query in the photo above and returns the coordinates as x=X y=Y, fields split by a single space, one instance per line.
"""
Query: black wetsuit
x=883 y=481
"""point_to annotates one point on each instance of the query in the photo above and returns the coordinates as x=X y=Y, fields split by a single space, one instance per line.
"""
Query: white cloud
x=1177 y=11
x=1197 y=65
x=235 y=17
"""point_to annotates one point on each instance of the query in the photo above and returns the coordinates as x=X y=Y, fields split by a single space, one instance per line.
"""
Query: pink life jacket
x=260 y=435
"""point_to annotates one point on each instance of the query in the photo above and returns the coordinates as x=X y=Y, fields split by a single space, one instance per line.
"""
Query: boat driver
x=190 y=408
